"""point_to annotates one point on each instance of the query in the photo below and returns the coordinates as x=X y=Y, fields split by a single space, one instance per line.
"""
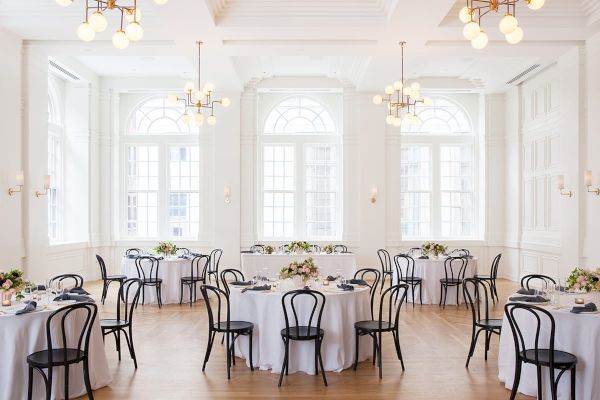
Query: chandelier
x=401 y=100
x=472 y=13
x=96 y=21
x=198 y=99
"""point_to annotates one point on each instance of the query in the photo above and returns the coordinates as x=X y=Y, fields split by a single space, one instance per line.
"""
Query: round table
x=264 y=309
x=329 y=264
x=21 y=335
x=432 y=270
x=578 y=334
x=170 y=269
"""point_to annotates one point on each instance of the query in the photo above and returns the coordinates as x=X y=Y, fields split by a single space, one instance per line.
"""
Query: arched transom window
x=157 y=117
x=299 y=115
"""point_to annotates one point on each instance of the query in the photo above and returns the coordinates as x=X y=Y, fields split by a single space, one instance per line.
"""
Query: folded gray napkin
x=132 y=256
x=529 y=292
x=241 y=283
x=30 y=306
x=257 y=288
x=589 y=307
x=358 y=282
x=75 y=297
x=535 y=299
x=424 y=258
x=330 y=278
x=346 y=288
x=79 y=290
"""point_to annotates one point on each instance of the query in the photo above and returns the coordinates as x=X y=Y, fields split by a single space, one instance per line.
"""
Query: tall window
x=161 y=172
x=300 y=172
x=437 y=174
x=55 y=165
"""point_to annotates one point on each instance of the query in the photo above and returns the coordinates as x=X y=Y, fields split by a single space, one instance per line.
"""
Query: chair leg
x=211 y=339
x=374 y=348
x=30 y=384
x=356 y=347
x=67 y=382
x=316 y=357
x=181 y=293
x=130 y=347
x=228 y=356
x=474 y=337
x=49 y=384
x=104 y=290
x=421 y=294
x=413 y=294
x=379 y=361
x=488 y=335
x=539 y=382
x=251 y=363
x=573 y=374
x=86 y=380
x=318 y=345
x=159 y=295
x=516 y=380
x=398 y=348
x=285 y=359
x=231 y=349
x=192 y=284
x=119 y=343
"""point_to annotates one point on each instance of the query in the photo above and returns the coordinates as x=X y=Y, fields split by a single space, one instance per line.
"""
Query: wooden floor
x=170 y=346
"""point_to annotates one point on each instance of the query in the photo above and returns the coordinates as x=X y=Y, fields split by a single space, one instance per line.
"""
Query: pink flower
x=579 y=279
x=7 y=284
x=577 y=285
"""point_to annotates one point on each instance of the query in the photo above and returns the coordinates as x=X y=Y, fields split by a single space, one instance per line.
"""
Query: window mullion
x=436 y=191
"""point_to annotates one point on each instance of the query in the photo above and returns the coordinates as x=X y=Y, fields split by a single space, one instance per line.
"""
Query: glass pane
x=278 y=191
x=321 y=191
x=184 y=197
x=415 y=186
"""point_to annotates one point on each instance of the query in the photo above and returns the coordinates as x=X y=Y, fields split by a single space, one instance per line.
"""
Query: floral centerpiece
x=328 y=249
x=582 y=279
x=165 y=248
x=432 y=247
x=11 y=282
x=304 y=269
x=299 y=247
x=269 y=249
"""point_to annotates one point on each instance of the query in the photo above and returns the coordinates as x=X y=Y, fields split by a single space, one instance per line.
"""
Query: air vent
x=62 y=71
x=522 y=74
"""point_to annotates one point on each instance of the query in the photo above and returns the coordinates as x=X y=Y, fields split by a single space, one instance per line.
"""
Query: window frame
x=57 y=131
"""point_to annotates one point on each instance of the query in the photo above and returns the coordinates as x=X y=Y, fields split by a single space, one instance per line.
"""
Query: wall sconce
x=20 y=184
x=561 y=187
x=227 y=194
x=374 y=193
x=46 y=187
x=588 y=183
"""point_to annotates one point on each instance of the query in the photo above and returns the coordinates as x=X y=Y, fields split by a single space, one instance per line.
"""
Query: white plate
x=65 y=302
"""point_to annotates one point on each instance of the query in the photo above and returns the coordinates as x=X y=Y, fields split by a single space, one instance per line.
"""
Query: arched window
x=300 y=171
x=161 y=177
x=55 y=163
x=438 y=174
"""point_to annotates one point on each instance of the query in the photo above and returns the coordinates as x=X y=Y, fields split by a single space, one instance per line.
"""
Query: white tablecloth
x=576 y=334
x=432 y=270
x=328 y=263
x=21 y=335
x=342 y=310
x=170 y=270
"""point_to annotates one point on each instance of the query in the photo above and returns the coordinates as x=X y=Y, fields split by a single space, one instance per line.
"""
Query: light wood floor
x=170 y=346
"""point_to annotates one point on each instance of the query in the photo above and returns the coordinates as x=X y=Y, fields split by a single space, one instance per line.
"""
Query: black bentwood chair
x=198 y=268
x=257 y=248
x=477 y=295
x=386 y=267
x=454 y=269
x=236 y=276
x=340 y=248
x=213 y=267
x=544 y=280
x=387 y=321
x=133 y=252
x=369 y=275
x=147 y=269
x=130 y=293
x=75 y=279
x=303 y=329
x=405 y=269
x=68 y=352
x=314 y=249
x=219 y=320
x=108 y=279
x=491 y=278
x=182 y=251
x=542 y=354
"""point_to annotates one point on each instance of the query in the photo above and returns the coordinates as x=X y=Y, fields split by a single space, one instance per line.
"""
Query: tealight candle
x=5 y=302
x=579 y=300
x=325 y=282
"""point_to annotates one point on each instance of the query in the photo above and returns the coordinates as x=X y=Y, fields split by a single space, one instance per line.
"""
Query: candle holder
x=579 y=300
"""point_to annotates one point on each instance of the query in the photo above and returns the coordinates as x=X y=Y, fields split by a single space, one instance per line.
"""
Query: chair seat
x=234 y=326
x=373 y=326
x=152 y=281
x=116 y=277
x=450 y=281
x=390 y=272
x=192 y=279
x=113 y=323
x=415 y=279
x=490 y=323
x=41 y=358
x=303 y=332
x=561 y=358
x=483 y=277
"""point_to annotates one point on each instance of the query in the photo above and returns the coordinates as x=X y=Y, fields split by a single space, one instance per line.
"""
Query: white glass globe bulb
x=64 y=3
x=98 y=21
x=172 y=98
x=515 y=36
x=211 y=120
x=225 y=102
x=408 y=92
x=398 y=85
x=535 y=4
x=120 y=40
x=508 y=24
x=199 y=119
x=209 y=87
x=481 y=41
x=86 y=32
x=389 y=119
x=185 y=118
x=133 y=15
x=471 y=30
x=397 y=122
x=188 y=87
x=427 y=101
x=377 y=99
x=389 y=89
x=161 y=2
x=134 y=31
x=415 y=86
x=465 y=14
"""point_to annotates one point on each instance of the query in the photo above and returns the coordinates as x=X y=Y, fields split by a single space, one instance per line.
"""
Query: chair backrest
x=220 y=313
x=257 y=248
x=543 y=279
x=284 y=248
x=340 y=248
x=414 y=250
x=235 y=274
x=387 y=304
x=294 y=300
x=385 y=260
x=102 y=266
x=314 y=248
x=129 y=291
x=495 y=265
x=476 y=293
x=215 y=260
x=516 y=312
x=76 y=279
x=199 y=266
x=134 y=251
x=455 y=268
x=405 y=266
x=369 y=275
x=80 y=333
x=182 y=251
x=147 y=267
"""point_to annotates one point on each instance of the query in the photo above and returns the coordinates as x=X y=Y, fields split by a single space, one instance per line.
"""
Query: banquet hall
x=216 y=199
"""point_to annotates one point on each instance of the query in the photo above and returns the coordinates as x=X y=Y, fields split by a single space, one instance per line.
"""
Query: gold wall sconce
x=561 y=187
x=588 y=183
x=227 y=194
x=20 y=184
x=374 y=193
x=46 y=187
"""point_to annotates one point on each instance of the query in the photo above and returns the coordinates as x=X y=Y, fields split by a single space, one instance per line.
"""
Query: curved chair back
x=284 y=248
x=76 y=279
x=102 y=266
x=405 y=266
x=495 y=265
x=545 y=280
x=385 y=260
x=340 y=248
x=257 y=248
x=147 y=267
x=199 y=267
x=455 y=268
x=304 y=299
x=314 y=249
x=386 y=306
x=133 y=251
x=81 y=331
x=373 y=275
x=476 y=294
x=235 y=274
x=182 y=251
x=215 y=260
x=129 y=292
x=220 y=313
x=538 y=315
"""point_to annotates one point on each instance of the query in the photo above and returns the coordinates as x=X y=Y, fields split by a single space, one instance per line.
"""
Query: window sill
x=57 y=247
